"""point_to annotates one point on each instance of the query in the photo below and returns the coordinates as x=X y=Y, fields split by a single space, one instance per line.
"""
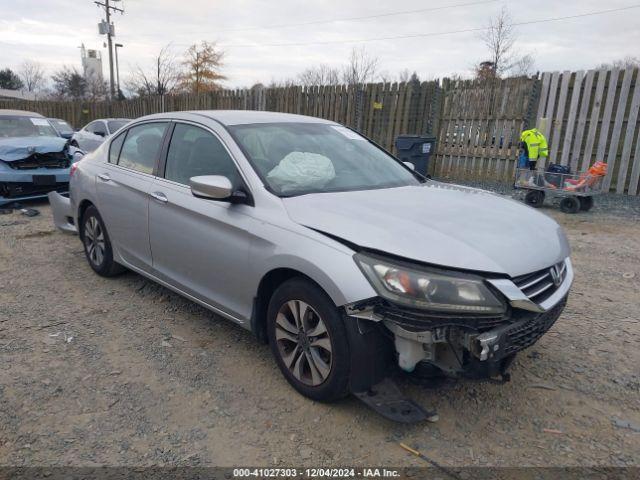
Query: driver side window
x=194 y=151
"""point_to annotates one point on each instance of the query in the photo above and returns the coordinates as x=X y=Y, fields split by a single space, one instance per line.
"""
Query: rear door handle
x=159 y=196
x=104 y=177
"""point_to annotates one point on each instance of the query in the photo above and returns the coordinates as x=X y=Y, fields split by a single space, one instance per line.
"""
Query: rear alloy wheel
x=534 y=198
x=308 y=340
x=570 y=205
x=97 y=246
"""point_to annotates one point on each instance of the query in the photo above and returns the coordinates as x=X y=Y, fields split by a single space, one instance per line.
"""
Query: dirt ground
x=121 y=371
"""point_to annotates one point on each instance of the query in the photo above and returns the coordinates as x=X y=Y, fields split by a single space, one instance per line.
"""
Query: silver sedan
x=346 y=261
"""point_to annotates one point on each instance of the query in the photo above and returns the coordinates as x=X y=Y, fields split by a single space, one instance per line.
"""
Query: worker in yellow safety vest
x=534 y=145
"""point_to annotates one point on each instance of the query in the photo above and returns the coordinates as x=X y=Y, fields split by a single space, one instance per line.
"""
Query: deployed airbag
x=302 y=170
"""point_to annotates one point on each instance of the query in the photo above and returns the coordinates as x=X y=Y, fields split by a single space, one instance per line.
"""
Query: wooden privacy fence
x=381 y=111
x=593 y=115
x=479 y=127
x=587 y=116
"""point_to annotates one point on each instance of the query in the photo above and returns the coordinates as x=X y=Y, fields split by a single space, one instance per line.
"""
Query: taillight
x=74 y=167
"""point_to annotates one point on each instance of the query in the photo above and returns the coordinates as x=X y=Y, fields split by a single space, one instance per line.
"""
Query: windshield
x=61 y=126
x=19 y=126
x=301 y=158
x=116 y=124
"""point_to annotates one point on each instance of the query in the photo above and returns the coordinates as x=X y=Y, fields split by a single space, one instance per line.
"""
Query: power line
x=352 y=19
x=344 y=19
x=429 y=34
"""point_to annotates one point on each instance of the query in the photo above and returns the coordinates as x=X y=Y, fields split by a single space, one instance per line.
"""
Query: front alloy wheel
x=303 y=342
x=308 y=339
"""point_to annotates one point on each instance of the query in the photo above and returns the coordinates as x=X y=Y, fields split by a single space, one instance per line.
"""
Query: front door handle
x=159 y=196
x=104 y=177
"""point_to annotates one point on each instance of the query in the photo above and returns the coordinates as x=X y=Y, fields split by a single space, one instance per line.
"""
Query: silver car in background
x=91 y=136
x=347 y=262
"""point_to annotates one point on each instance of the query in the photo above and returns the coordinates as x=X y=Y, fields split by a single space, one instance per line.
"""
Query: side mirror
x=215 y=187
x=100 y=133
x=409 y=165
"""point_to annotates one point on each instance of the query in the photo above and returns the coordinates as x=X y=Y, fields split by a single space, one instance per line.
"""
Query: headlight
x=431 y=290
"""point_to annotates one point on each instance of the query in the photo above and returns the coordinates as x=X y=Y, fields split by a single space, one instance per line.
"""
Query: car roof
x=19 y=113
x=57 y=119
x=242 y=117
x=110 y=119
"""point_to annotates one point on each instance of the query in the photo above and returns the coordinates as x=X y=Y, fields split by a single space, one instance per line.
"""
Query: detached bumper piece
x=62 y=215
x=387 y=400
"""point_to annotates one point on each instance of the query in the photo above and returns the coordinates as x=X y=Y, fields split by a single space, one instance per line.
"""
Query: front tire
x=534 y=198
x=97 y=245
x=309 y=341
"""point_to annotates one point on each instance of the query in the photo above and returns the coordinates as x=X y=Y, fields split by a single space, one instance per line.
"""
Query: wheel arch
x=82 y=207
x=334 y=272
x=267 y=286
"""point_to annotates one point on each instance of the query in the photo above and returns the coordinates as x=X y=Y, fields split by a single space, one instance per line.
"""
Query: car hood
x=439 y=224
x=19 y=148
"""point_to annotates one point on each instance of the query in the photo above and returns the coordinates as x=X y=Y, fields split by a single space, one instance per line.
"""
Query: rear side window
x=194 y=151
x=115 y=125
x=95 y=127
x=141 y=147
x=115 y=147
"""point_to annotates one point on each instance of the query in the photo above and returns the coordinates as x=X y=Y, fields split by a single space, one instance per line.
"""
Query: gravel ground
x=121 y=371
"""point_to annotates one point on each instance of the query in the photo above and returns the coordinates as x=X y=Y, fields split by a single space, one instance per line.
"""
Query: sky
x=251 y=33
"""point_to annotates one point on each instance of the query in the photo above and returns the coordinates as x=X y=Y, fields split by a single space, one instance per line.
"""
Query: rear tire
x=309 y=341
x=534 y=198
x=586 y=203
x=570 y=205
x=97 y=246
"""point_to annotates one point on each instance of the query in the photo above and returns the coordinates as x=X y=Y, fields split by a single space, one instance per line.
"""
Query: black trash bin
x=416 y=149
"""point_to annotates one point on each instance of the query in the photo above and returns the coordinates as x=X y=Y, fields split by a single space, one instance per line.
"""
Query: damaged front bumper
x=32 y=184
x=62 y=212
x=468 y=346
x=460 y=351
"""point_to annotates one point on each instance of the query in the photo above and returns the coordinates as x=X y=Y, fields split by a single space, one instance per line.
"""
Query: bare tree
x=96 y=88
x=499 y=38
x=523 y=66
x=319 y=75
x=404 y=75
x=281 y=83
x=362 y=67
x=32 y=75
x=622 y=63
x=161 y=79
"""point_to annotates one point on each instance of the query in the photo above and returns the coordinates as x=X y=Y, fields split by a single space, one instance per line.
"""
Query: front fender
x=325 y=261
x=335 y=272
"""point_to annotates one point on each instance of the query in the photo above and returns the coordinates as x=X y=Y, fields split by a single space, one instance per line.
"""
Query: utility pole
x=110 y=34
